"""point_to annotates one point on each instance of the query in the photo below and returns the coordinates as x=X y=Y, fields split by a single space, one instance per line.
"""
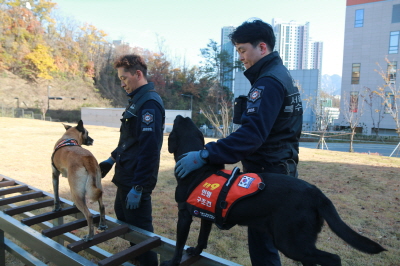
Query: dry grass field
x=364 y=188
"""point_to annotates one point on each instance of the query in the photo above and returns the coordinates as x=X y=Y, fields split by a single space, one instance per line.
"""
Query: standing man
x=137 y=156
x=268 y=140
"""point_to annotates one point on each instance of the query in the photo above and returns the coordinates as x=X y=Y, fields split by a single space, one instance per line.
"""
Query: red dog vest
x=213 y=198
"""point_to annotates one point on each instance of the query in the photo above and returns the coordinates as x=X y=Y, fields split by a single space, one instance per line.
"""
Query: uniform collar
x=254 y=71
x=149 y=85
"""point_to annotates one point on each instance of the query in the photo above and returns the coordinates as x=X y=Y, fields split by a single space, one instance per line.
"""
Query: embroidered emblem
x=147 y=118
x=246 y=181
x=255 y=95
x=252 y=110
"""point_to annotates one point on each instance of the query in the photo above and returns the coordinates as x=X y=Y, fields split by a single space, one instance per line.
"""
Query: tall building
x=295 y=45
x=371 y=44
x=228 y=74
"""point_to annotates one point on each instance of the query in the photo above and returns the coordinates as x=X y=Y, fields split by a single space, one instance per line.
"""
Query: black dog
x=291 y=210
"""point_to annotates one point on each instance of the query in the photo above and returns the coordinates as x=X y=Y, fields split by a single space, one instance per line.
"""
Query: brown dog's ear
x=79 y=127
x=66 y=126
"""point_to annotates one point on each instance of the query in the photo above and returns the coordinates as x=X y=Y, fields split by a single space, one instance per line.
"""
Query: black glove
x=105 y=166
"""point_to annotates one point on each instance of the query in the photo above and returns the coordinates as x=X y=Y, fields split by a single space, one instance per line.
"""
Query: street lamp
x=16 y=98
x=48 y=97
x=191 y=100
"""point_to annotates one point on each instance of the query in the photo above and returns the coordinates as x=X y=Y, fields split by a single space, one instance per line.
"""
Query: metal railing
x=44 y=233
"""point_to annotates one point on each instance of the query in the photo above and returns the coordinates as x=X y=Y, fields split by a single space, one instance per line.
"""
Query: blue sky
x=186 y=26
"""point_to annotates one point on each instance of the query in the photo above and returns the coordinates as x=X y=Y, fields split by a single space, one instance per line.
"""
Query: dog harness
x=213 y=198
x=64 y=143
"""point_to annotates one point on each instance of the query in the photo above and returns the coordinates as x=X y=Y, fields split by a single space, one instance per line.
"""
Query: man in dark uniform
x=137 y=156
x=268 y=139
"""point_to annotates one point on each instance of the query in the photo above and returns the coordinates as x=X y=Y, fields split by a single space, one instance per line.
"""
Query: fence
x=23 y=113
x=39 y=236
x=345 y=136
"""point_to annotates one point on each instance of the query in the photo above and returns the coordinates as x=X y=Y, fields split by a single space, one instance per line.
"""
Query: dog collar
x=66 y=142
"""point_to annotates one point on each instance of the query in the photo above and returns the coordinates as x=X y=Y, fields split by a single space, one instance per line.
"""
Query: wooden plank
x=7 y=183
x=131 y=252
x=99 y=238
x=23 y=197
x=13 y=190
x=29 y=207
x=49 y=216
x=68 y=227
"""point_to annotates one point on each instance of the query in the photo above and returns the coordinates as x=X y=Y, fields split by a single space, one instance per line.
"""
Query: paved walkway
x=382 y=149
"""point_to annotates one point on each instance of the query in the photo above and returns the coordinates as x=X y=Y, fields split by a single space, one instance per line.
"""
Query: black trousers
x=140 y=217
x=261 y=247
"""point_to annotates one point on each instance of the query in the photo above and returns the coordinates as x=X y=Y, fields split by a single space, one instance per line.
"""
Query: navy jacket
x=271 y=124
x=137 y=156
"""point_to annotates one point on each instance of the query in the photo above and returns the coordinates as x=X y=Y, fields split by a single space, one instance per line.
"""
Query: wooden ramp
x=26 y=215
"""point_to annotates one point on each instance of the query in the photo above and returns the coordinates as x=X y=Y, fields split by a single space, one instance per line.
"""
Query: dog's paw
x=102 y=227
x=193 y=251
x=87 y=238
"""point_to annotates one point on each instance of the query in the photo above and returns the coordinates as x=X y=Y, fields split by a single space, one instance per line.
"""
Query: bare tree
x=389 y=93
x=353 y=109
x=221 y=118
x=377 y=114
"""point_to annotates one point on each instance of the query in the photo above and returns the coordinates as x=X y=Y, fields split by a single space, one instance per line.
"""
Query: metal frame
x=54 y=250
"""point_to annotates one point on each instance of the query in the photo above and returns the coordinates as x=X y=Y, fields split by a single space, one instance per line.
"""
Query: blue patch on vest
x=253 y=97
x=148 y=116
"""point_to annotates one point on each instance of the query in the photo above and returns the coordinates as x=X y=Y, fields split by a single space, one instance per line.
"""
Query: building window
x=355 y=74
x=353 y=106
x=394 y=42
x=391 y=72
x=389 y=103
x=396 y=14
x=359 y=21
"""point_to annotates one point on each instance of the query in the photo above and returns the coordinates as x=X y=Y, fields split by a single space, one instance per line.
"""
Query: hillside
x=33 y=95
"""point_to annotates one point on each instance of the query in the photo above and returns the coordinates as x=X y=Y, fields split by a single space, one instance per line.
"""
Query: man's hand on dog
x=133 y=198
x=105 y=166
x=190 y=161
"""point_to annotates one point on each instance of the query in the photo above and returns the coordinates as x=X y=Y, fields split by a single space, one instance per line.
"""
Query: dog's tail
x=328 y=211
x=93 y=185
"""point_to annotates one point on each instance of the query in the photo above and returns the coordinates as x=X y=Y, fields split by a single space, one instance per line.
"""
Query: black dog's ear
x=66 y=126
x=79 y=127
x=172 y=142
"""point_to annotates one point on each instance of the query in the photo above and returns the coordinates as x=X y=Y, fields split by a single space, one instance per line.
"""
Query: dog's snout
x=88 y=141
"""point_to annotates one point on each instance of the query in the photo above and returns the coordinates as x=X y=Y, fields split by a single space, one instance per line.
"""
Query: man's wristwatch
x=138 y=188
x=204 y=155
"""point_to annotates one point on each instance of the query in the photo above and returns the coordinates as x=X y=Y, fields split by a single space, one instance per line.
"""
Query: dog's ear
x=79 y=127
x=172 y=143
x=66 y=126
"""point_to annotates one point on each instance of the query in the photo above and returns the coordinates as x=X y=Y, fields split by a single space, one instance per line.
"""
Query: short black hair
x=131 y=63
x=254 y=32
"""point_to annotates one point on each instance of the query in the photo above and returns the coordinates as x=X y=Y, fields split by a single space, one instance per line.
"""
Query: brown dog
x=83 y=173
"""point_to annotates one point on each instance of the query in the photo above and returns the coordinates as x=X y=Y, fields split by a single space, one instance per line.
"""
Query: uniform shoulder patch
x=255 y=94
x=148 y=118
